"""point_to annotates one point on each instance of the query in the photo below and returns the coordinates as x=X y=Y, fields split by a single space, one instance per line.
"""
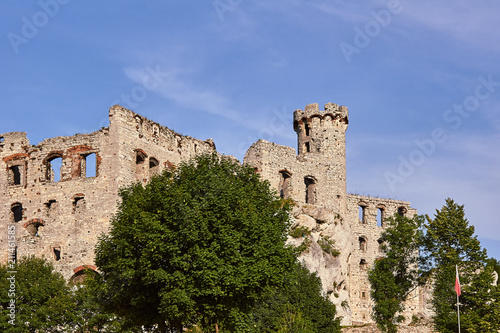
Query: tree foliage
x=45 y=302
x=199 y=244
x=395 y=275
x=41 y=297
x=298 y=306
x=450 y=242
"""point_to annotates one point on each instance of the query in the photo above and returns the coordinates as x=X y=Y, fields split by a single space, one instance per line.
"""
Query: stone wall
x=59 y=211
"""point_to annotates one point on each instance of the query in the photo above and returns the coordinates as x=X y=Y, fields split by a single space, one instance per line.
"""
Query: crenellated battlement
x=312 y=110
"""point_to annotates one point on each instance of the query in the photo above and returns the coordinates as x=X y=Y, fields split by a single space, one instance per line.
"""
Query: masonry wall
x=59 y=215
x=366 y=216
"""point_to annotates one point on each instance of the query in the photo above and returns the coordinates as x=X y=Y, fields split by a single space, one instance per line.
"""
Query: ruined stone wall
x=60 y=213
x=366 y=216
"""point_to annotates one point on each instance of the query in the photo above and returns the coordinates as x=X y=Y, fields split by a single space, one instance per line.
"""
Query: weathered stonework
x=60 y=214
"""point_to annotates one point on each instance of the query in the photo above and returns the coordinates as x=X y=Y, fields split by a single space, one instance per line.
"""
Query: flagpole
x=458 y=313
x=458 y=291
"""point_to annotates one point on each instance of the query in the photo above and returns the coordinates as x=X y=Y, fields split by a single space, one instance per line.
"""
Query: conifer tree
x=450 y=242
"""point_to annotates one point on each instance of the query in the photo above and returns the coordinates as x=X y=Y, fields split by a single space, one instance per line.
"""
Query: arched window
x=285 y=183
x=310 y=183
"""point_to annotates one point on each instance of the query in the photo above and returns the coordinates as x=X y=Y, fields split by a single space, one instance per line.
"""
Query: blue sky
x=421 y=80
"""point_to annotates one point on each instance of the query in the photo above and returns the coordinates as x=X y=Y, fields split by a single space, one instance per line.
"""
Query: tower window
x=308 y=147
x=310 y=190
x=307 y=129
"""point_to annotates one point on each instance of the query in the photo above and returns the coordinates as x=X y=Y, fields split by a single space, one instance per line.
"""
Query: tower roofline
x=332 y=109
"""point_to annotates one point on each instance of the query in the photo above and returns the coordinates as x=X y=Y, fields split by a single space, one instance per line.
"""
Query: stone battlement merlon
x=332 y=109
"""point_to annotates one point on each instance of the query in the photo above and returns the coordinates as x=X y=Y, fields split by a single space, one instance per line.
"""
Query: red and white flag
x=457 y=283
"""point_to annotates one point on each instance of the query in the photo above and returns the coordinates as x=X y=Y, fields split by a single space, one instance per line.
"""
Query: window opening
x=401 y=211
x=363 y=295
x=15 y=174
x=54 y=169
x=363 y=265
x=362 y=244
x=380 y=245
x=154 y=166
x=285 y=183
x=140 y=158
x=2 y=139
x=310 y=190
x=50 y=206
x=57 y=253
x=308 y=129
x=90 y=162
x=17 y=212
x=308 y=147
x=78 y=205
x=33 y=227
x=362 y=214
x=380 y=217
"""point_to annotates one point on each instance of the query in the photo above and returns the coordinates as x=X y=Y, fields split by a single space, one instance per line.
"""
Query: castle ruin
x=61 y=194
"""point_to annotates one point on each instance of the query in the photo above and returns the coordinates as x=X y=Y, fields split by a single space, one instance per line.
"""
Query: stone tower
x=321 y=139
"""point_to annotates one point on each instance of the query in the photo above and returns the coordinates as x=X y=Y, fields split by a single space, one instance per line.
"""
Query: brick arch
x=80 y=271
x=32 y=226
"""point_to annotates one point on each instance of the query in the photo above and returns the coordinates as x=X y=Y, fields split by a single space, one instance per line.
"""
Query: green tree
x=395 y=275
x=450 y=242
x=42 y=298
x=195 y=245
x=299 y=306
